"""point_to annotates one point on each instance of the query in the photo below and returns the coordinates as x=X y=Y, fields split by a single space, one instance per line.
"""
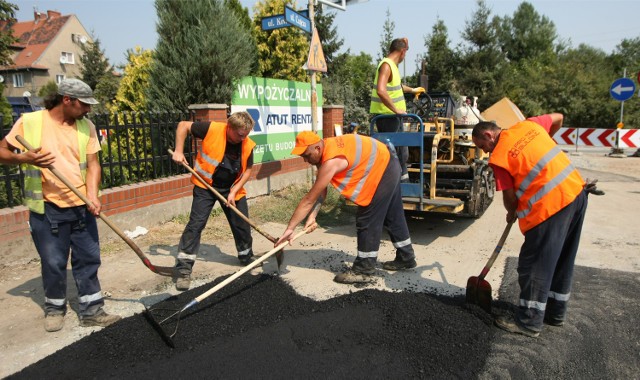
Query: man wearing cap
x=59 y=221
x=366 y=172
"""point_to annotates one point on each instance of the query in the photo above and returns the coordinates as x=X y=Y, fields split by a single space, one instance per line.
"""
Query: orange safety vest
x=212 y=153
x=368 y=159
x=545 y=180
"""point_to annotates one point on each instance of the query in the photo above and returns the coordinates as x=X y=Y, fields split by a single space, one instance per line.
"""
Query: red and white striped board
x=626 y=138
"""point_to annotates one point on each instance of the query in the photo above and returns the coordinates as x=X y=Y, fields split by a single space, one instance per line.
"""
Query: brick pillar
x=331 y=115
x=210 y=112
x=207 y=112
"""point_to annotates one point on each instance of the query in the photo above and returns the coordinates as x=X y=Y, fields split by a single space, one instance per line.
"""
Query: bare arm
x=183 y=129
x=556 y=123
x=231 y=198
x=35 y=157
x=319 y=189
x=510 y=204
x=94 y=174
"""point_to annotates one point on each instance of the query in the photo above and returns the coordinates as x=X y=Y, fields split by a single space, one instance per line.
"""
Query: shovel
x=177 y=315
x=279 y=254
x=164 y=271
x=478 y=289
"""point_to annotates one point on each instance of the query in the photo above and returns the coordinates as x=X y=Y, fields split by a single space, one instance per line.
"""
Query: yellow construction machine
x=447 y=173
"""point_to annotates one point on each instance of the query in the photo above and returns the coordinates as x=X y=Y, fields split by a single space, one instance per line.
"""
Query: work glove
x=417 y=91
x=590 y=187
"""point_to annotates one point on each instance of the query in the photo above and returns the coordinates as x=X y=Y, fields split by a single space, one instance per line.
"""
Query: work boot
x=246 y=259
x=101 y=319
x=510 y=325
x=555 y=322
x=399 y=264
x=351 y=277
x=183 y=283
x=53 y=322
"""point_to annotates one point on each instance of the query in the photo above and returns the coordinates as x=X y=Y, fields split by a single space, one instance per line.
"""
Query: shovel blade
x=479 y=293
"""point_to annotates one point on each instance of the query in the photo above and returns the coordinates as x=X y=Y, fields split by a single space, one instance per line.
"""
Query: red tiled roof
x=33 y=38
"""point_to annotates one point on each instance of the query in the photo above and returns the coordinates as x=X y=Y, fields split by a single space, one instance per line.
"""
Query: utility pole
x=314 y=94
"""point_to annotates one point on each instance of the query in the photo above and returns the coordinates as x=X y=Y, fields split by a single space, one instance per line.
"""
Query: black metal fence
x=134 y=149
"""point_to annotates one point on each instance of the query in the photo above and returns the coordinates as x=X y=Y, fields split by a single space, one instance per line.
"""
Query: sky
x=124 y=24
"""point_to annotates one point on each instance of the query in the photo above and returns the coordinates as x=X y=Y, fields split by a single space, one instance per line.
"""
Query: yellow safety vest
x=32 y=125
x=394 y=89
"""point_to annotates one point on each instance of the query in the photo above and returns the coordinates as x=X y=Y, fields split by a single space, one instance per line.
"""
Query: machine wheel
x=482 y=192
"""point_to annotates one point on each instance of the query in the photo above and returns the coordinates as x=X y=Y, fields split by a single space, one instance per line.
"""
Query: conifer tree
x=202 y=50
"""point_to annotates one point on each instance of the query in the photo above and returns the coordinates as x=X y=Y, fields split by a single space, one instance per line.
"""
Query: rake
x=177 y=315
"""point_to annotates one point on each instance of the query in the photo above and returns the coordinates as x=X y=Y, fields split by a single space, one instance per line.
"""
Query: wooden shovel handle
x=225 y=202
x=496 y=252
x=247 y=268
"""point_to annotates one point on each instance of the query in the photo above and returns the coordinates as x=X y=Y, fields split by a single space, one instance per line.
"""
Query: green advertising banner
x=280 y=108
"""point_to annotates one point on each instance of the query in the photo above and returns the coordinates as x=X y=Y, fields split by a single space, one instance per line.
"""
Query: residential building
x=48 y=49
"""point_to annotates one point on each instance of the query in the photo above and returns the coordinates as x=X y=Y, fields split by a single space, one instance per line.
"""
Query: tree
x=328 y=36
x=202 y=50
x=7 y=19
x=49 y=88
x=281 y=52
x=131 y=93
x=6 y=112
x=350 y=85
x=483 y=66
x=94 y=63
x=388 y=29
x=526 y=35
x=441 y=59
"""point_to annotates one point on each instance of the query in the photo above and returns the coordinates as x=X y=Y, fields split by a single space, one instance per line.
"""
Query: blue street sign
x=622 y=89
x=279 y=21
x=274 y=22
x=296 y=19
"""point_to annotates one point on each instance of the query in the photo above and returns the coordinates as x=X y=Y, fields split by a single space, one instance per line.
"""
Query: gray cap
x=76 y=88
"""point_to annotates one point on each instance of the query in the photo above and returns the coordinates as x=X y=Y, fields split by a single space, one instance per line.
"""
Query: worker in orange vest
x=547 y=195
x=366 y=172
x=225 y=163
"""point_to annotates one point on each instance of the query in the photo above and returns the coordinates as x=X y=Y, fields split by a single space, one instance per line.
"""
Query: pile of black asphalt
x=258 y=327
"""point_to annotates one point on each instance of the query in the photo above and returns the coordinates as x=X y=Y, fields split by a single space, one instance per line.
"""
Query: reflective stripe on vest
x=32 y=124
x=212 y=152
x=367 y=160
x=394 y=89
x=545 y=180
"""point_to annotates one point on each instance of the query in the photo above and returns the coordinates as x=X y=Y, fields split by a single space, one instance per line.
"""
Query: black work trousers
x=384 y=211
x=201 y=206
x=545 y=265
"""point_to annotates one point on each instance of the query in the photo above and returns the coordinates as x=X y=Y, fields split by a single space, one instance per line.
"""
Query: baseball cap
x=303 y=140
x=76 y=88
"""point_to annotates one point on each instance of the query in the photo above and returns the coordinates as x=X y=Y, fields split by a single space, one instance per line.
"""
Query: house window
x=18 y=80
x=66 y=57
x=59 y=78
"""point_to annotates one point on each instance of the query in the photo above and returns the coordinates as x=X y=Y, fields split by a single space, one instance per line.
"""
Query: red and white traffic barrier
x=620 y=138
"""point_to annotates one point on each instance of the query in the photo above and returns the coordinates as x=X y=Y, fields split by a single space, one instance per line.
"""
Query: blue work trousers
x=545 y=265
x=56 y=234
